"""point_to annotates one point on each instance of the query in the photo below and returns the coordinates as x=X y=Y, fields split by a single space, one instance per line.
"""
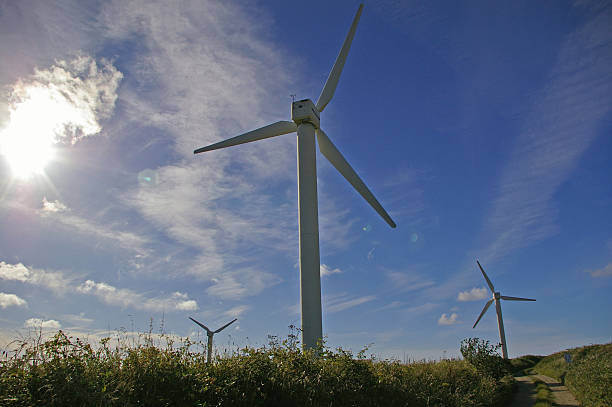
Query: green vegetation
x=544 y=397
x=65 y=371
x=588 y=376
x=523 y=365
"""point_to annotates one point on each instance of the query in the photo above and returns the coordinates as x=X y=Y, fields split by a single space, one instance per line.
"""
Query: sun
x=38 y=120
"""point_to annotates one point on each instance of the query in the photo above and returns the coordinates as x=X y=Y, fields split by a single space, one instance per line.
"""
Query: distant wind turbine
x=306 y=121
x=500 y=322
x=210 y=334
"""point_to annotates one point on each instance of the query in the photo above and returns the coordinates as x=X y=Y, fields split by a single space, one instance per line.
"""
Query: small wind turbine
x=306 y=121
x=500 y=322
x=210 y=334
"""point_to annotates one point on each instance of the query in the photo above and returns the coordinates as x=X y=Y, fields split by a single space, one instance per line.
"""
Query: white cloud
x=68 y=100
x=55 y=281
x=7 y=300
x=326 y=270
x=448 y=320
x=124 y=297
x=17 y=272
x=603 y=272
x=39 y=323
x=53 y=206
x=473 y=295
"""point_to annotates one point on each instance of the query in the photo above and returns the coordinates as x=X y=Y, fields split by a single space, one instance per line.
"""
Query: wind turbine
x=306 y=122
x=500 y=322
x=210 y=334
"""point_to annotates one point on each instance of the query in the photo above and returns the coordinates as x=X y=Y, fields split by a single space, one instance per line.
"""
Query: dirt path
x=525 y=397
x=562 y=396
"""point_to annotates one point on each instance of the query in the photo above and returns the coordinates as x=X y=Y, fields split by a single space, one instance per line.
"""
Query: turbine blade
x=202 y=325
x=329 y=150
x=271 y=130
x=486 y=277
x=226 y=325
x=486 y=307
x=334 y=76
x=505 y=297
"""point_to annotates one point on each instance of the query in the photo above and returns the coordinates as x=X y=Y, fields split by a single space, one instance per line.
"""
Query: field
x=66 y=371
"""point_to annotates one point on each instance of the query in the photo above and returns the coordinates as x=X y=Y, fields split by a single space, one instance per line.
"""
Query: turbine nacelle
x=305 y=111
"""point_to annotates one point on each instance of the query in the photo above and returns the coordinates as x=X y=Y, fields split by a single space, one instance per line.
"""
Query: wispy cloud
x=451 y=319
x=42 y=324
x=564 y=119
x=58 y=212
x=420 y=309
x=68 y=100
x=124 y=297
x=602 y=272
x=327 y=271
x=78 y=319
x=342 y=302
x=11 y=300
x=53 y=280
x=236 y=311
x=211 y=82
x=405 y=281
x=473 y=295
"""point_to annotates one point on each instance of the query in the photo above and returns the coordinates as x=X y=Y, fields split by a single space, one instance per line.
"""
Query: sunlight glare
x=42 y=117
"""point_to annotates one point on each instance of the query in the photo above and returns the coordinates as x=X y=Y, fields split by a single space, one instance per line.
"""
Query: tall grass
x=64 y=371
x=588 y=376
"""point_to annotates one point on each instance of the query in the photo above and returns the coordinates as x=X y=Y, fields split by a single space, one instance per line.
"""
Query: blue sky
x=483 y=129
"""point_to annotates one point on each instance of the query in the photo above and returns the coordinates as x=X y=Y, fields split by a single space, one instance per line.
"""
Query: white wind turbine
x=306 y=121
x=500 y=322
x=210 y=334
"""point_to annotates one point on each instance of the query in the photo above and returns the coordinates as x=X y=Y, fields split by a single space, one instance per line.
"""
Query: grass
x=588 y=376
x=544 y=397
x=66 y=371
x=523 y=365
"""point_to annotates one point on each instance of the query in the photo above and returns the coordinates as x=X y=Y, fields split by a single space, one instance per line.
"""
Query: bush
x=485 y=357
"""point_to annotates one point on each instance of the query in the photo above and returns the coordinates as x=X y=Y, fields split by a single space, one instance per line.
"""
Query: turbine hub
x=304 y=111
x=497 y=295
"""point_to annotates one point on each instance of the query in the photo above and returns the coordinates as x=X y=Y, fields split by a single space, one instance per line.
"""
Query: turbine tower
x=497 y=297
x=210 y=334
x=305 y=116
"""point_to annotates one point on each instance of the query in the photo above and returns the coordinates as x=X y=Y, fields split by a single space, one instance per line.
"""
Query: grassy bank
x=588 y=375
x=544 y=397
x=65 y=371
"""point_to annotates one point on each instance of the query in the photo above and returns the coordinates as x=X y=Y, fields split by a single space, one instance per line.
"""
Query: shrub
x=485 y=357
